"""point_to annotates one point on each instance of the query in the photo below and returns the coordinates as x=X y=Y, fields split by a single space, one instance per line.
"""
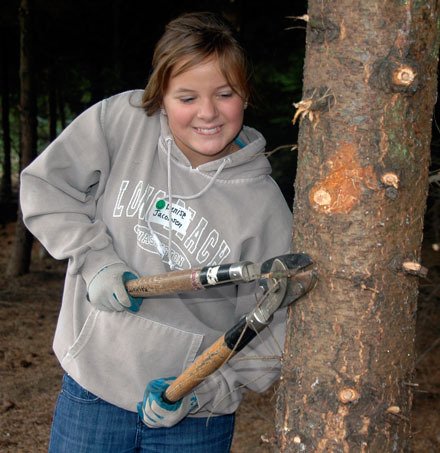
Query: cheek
x=235 y=115
x=234 y=111
x=179 y=119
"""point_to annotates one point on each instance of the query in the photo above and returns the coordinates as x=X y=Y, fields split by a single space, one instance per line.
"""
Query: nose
x=207 y=109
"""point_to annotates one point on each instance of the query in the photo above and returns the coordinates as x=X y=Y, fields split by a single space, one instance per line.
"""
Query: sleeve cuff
x=96 y=260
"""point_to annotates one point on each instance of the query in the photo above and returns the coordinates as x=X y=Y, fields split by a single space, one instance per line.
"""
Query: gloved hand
x=156 y=413
x=107 y=289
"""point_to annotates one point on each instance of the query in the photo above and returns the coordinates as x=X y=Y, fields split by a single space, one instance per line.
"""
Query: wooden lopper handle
x=234 y=340
x=209 y=361
x=192 y=279
x=167 y=283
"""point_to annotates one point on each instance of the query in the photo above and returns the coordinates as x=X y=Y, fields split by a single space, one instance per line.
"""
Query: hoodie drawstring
x=156 y=240
x=170 y=202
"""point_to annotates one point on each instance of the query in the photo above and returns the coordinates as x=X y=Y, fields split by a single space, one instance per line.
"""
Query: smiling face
x=204 y=113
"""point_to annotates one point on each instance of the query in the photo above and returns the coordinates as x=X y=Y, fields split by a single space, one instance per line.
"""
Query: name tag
x=180 y=217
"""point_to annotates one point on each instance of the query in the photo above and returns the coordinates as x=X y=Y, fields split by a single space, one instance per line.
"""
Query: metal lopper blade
x=282 y=283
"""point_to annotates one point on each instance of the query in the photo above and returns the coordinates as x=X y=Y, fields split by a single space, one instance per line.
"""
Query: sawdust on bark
x=30 y=374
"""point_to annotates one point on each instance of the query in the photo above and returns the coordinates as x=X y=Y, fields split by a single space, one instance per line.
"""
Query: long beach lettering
x=222 y=252
x=194 y=237
x=203 y=254
x=119 y=208
x=139 y=200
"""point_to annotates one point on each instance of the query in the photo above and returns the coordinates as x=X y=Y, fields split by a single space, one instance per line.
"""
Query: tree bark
x=360 y=196
x=21 y=256
x=6 y=180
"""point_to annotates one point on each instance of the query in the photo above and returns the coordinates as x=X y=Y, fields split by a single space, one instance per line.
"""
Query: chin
x=211 y=150
x=212 y=155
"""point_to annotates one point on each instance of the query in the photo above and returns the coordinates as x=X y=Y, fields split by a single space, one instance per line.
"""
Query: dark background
x=86 y=50
x=89 y=49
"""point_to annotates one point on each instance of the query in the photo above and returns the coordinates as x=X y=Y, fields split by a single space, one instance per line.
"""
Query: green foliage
x=278 y=85
x=277 y=80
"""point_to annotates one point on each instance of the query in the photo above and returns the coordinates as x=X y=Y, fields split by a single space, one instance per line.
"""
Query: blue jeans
x=84 y=423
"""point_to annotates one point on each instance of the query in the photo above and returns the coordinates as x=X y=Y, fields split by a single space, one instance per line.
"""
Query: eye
x=226 y=94
x=187 y=99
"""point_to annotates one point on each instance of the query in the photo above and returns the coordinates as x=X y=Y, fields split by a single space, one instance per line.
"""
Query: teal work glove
x=156 y=413
x=107 y=289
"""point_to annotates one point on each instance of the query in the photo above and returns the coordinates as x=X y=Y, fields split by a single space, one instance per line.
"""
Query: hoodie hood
x=246 y=163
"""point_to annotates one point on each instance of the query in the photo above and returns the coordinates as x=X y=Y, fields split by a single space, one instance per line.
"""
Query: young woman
x=140 y=184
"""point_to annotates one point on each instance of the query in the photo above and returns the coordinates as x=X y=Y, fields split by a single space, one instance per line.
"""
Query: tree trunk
x=21 y=256
x=6 y=185
x=362 y=178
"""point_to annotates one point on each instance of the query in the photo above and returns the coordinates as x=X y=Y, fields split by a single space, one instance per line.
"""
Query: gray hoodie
x=99 y=194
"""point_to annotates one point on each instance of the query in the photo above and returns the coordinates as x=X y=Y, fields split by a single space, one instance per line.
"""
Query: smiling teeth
x=211 y=130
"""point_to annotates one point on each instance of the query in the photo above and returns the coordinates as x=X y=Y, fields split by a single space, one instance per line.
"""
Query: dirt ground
x=30 y=375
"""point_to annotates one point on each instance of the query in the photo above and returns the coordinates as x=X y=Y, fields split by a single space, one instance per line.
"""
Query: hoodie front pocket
x=117 y=354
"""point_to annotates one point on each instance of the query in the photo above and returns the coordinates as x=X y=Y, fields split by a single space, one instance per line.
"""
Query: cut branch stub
x=346 y=180
x=394 y=76
x=403 y=76
x=414 y=268
x=393 y=410
x=348 y=395
x=317 y=100
x=390 y=179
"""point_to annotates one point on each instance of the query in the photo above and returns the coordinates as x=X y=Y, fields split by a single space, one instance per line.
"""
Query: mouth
x=207 y=130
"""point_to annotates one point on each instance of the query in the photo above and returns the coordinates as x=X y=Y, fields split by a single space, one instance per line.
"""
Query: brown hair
x=196 y=37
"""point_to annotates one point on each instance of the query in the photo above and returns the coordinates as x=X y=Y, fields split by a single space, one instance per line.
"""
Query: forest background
x=84 y=51
x=87 y=50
